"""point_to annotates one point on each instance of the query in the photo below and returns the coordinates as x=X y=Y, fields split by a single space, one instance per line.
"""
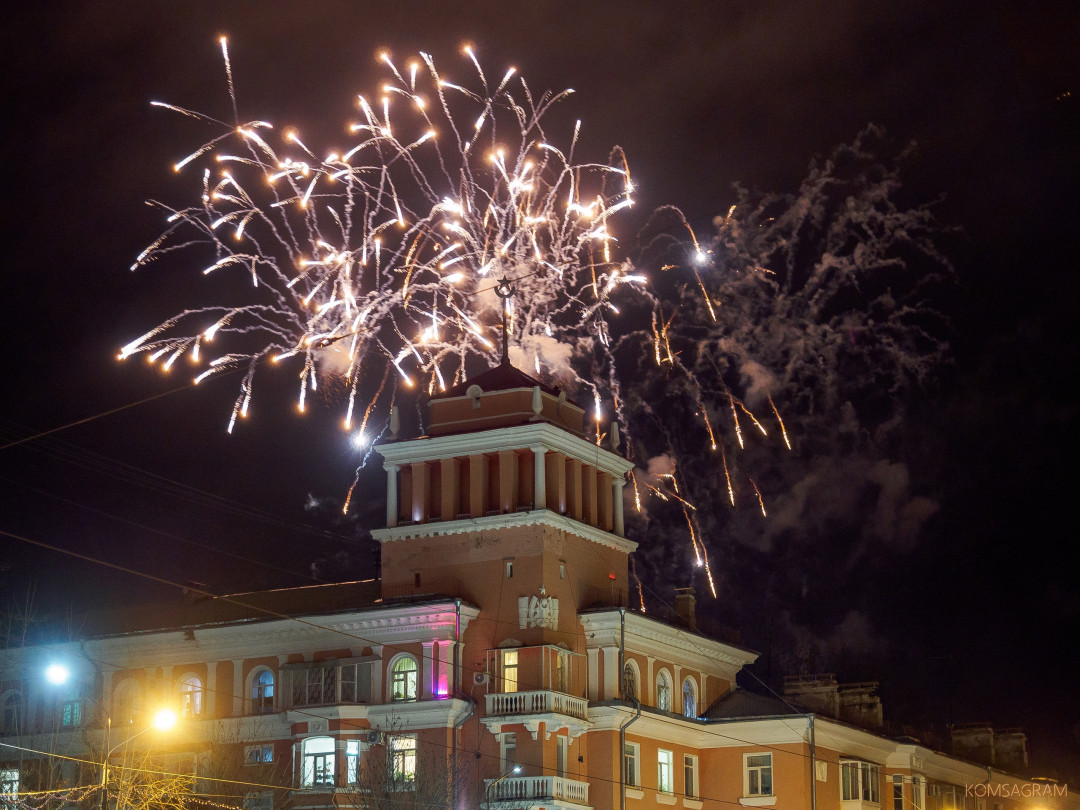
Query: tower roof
x=503 y=377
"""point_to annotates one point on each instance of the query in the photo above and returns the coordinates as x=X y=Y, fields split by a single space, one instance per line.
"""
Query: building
x=496 y=663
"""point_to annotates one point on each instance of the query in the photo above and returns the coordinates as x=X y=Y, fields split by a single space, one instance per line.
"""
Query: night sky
x=974 y=617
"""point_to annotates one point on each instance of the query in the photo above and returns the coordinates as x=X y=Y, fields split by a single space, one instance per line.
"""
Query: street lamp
x=515 y=770
x=58 y=674
x=163 y=720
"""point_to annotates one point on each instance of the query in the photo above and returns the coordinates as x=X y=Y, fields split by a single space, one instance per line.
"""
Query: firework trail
x=384 y=255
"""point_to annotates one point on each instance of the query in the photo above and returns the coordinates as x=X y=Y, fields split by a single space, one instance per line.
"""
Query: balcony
x=524 y=790
x=502 y=704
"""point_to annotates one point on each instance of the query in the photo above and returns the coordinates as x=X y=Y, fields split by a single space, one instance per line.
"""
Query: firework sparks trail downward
x=383 y=255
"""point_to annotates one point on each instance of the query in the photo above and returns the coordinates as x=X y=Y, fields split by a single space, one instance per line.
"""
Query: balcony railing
x=542 y=702
x=527 y=788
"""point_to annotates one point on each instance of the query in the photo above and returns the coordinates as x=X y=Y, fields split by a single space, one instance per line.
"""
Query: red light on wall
x=611 y=575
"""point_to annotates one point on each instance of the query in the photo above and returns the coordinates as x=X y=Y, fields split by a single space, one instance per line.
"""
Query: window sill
x=666 y=798
x=692 y=804
x=757 y=801
x=634 y=793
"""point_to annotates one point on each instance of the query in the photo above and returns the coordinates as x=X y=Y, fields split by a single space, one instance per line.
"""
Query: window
x=258 y=754
x=689 y=698
x=562 y=672
x=127 y=702
x=403 y=761
x=509 y=569
x=12 y=711
x=858 y=781
x=757 y=774
x=71 y=710
x=9 y=788
x=403 y=678
x=665 y=767
x=562 y=569
x=317 y=755
x=262 y=691
x=918 y=793
x=314 y=686
x=562 y=754
x=689 y=767
x=508 y=752
x=191 y=695
x=630 y=681
x=663 y=691
x=630 y=764
x=352 y=762
x=355 y=683
x=509 y=661
x=897 y=792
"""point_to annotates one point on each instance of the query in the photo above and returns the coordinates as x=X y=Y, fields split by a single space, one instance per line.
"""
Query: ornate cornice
x=535 y=517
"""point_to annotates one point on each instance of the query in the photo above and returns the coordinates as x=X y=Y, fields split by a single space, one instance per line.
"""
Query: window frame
x=259 y=701
x=690 y=708
x=411 y=691
x=401 y=754
x=309 y=777
x=507 y=751
x=690 y=776
x=354 y=752
x=192 y=690
x=127 y=701
x=258 y=754
x=663 y=689
x=665 y=771
x=758 y=771
x=631 y=681
x=631 y=762
x=509 y=668
x=865 y=779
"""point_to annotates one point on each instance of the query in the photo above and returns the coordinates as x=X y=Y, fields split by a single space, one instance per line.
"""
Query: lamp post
x=487 y=794
x=58 y=674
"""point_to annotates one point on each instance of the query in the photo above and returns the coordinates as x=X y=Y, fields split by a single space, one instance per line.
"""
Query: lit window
x=71 y=710
x=352 y=762
x=318 y=762
x=403 y=679
x=689 y=775
x=663 y=691
x=630 y=681
x=858 y=781
x=191 y=694
x=562 y=672
x=262 y=692
x=689 y=698
x=258 y=754
x=9 y=783
x=665 y=771
x=509 y=660
x=898 y=792
x=403 y=761
x=757 y=774
x=630 y=764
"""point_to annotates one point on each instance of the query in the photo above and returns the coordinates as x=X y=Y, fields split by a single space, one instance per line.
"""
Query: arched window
x=630 y=681
x=262 y=691
x=127 y=702
x=663 y=691
x=404 y=678
x=317 y=762
x=689 y=698
x=191 y=696
x=12 y=712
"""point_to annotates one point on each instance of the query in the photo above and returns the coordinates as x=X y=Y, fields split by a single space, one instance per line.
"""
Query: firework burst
x=384 y=255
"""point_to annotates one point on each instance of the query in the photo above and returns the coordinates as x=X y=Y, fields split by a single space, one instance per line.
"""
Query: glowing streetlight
x=515 y=770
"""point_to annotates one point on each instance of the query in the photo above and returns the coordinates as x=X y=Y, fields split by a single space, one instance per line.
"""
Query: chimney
x=1010 y=750
x=859 y=705
x=973 y=742
x=685 y=600
x=816 y=693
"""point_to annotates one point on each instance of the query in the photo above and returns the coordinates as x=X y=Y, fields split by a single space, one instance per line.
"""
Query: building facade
x=496 y=663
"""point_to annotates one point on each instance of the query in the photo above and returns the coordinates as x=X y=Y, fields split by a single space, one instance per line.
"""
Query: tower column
x=617 y=485
x=539 y=477
x=391 y=494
